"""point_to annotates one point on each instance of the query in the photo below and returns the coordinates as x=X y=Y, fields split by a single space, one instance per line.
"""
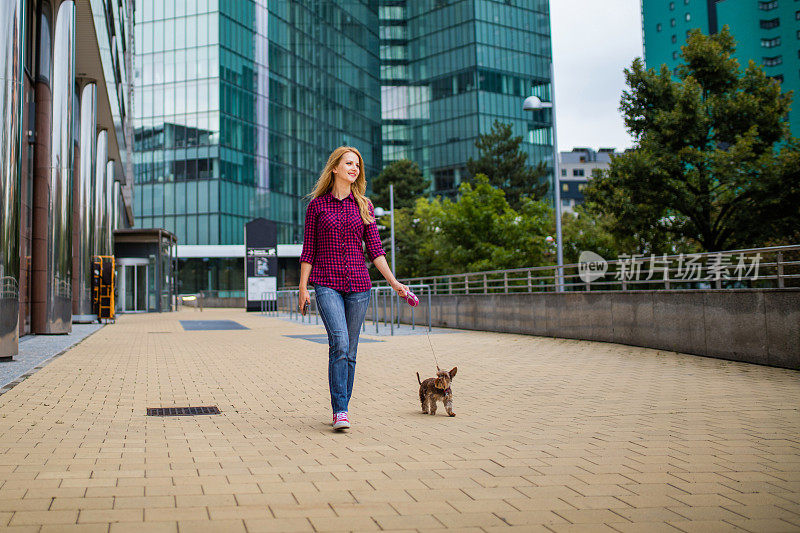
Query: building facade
x=238 y=107
x=577 y=168
x=450 y=68
x=66 y=136
x=766 y=31
x=239 y=103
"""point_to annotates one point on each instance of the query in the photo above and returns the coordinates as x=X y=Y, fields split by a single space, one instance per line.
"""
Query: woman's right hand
x=304 y=298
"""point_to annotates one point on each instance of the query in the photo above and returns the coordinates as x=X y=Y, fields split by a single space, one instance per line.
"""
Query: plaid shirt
x=332 y=243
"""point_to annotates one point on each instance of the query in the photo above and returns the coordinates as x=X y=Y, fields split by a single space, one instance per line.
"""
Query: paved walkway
x=551 y=435
x=36 y=350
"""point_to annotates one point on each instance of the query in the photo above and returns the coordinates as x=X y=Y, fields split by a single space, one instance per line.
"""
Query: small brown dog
x=437 y=389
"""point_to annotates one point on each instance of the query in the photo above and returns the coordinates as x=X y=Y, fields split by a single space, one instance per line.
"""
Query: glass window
x=44 y=45
x=771 y=23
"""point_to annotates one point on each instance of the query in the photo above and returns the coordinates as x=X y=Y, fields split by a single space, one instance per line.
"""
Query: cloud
x=593 y=42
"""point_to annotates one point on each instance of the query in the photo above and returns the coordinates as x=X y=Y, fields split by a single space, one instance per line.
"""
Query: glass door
x=133 y=286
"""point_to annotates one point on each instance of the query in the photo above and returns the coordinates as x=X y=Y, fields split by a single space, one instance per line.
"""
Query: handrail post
x=530 y=288
x=485 y=285
x=450 y=280
x=779 y=264
x=466 y=283
x=505 y=281
x=429 y=311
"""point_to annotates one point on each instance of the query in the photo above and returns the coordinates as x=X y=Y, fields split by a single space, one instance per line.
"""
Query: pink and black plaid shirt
x=332 y=243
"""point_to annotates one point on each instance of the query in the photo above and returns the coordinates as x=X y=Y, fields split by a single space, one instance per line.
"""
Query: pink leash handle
x=411 y=299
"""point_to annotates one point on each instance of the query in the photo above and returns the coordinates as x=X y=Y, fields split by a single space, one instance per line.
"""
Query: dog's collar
x=447 y=391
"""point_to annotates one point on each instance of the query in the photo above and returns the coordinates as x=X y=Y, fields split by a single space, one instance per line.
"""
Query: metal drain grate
x=182 y=411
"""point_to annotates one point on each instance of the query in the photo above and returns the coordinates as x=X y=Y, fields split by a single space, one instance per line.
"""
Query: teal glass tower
x=449 y=69
x=766 y=31
x=238 y=106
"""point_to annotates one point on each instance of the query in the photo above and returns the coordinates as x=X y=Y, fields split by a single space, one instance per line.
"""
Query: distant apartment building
x=766 y=31
x=450 y=68
x=577 y=167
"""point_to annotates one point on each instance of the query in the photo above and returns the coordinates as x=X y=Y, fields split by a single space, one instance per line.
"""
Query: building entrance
x=133 y=285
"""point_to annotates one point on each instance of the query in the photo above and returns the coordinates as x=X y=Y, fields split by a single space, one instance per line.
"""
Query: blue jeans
x=343 y=314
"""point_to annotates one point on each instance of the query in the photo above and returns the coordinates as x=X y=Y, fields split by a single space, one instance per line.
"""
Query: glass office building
x=449 y=69
x=766 y=31
x=238 y=106
x=239 y=103
x=63 y=154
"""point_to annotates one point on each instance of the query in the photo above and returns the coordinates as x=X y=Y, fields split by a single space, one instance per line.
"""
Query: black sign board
x=261 y=263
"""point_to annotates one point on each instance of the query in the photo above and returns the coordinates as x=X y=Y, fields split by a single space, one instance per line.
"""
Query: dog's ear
x=453 y=372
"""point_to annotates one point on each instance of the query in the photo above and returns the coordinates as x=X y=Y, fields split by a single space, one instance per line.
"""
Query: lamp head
x=532 y=103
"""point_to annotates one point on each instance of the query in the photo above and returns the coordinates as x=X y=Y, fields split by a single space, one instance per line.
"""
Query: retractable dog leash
x=413 y=301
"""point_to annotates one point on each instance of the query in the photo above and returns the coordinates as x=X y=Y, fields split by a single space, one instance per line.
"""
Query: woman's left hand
x=400 y=288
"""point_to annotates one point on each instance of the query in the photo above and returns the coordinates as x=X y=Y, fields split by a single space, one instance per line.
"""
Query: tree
x=505 y=165
x=714 y=166
x=409 y=184
x=588 y=230
x=478 y=231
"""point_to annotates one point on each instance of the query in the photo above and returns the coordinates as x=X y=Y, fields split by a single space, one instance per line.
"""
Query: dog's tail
x=420 y=381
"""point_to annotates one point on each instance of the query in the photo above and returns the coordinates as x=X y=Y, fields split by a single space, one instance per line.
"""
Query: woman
x=338 y=219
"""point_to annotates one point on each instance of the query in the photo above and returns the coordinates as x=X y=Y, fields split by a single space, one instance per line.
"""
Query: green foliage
x=409 y=184
x=589 y=230
x=505 y=166
x=479 y=231
x=714 y=167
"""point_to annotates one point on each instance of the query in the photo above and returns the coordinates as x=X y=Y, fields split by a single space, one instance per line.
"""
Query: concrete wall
x=751 y=325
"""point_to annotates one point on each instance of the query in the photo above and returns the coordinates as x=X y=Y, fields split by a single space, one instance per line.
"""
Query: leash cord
x=432 y=350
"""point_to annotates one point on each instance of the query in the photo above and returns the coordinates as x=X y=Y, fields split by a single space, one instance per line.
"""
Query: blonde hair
x=358 y=188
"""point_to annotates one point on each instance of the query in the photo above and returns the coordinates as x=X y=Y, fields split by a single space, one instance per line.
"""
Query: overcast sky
x=592 y=42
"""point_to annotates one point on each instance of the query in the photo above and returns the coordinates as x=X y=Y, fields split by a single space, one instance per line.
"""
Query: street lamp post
x=533 y=103
x=379 y=212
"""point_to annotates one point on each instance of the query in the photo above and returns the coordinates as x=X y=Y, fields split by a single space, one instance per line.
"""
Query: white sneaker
x=341 y=421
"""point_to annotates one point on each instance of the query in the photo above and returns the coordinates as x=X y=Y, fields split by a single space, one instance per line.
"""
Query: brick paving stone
x=274 y=525
x=75 y=528
x=766 y=525
x=106 y=516
x=704 y=526
x=413 y=522
x=147 y=527
x=596 y=436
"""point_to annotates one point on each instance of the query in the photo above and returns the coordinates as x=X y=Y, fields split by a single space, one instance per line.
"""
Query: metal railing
x=384 y=304
x=773 y=267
